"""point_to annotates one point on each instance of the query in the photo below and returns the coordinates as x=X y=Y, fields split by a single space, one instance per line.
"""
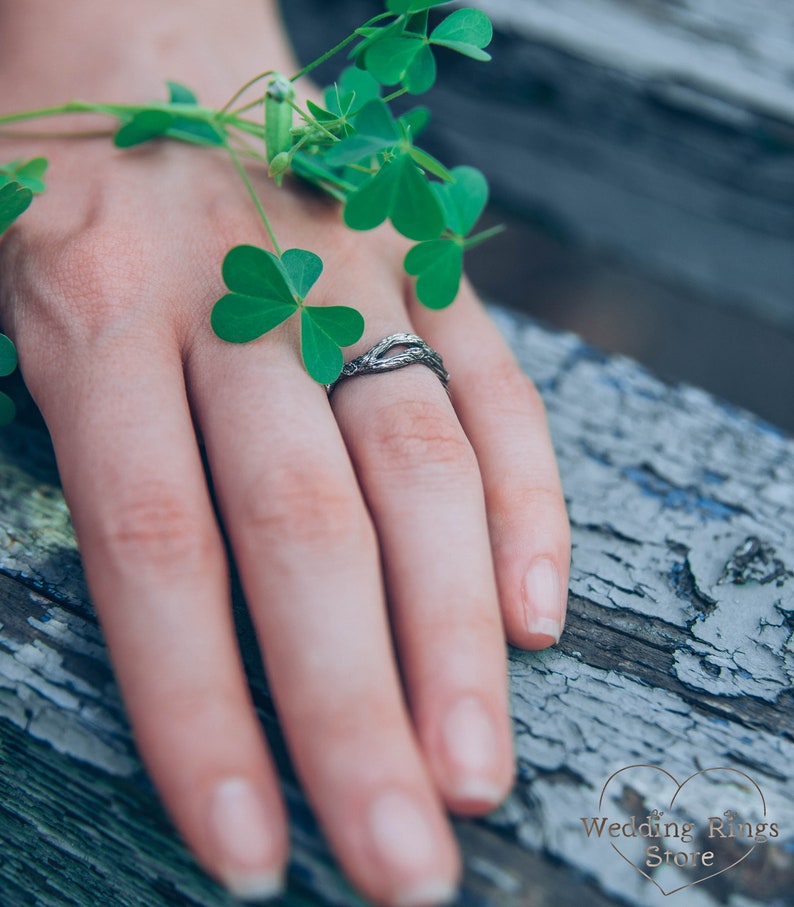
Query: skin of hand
x=387 y=540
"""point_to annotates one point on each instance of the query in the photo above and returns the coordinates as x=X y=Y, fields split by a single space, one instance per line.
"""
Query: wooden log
x=677 y=653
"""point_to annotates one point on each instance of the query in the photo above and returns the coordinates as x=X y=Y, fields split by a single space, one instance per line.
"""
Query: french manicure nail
x=471 y=745
x=542 y=599
x=405 y=843
x=244 y=837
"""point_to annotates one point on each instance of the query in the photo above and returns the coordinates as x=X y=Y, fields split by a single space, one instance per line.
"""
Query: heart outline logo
x=679 y=787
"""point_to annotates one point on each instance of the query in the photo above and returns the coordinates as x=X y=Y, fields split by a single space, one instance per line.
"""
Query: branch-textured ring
x=415 y=352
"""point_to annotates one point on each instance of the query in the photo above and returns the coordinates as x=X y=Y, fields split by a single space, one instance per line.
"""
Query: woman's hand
x=384 y=538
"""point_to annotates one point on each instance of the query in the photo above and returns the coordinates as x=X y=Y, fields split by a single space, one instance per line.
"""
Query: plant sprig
x=352 y=146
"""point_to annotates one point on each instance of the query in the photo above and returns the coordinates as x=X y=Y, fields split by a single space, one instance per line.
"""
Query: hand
x=392 y=519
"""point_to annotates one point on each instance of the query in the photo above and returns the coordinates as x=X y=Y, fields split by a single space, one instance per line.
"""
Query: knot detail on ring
x=376 y=359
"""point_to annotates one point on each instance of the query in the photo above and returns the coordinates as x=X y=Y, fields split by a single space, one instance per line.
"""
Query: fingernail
x=471 y=744
x=542 y=602
x=244 y=837
x=407 y=848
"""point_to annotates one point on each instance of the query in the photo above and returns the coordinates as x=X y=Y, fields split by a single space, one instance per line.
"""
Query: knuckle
x=156 y=527
x=80 y=288
x=415 y=435
x=309 y=506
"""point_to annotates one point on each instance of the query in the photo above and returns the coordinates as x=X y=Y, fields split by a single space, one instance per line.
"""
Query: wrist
x=88 y=49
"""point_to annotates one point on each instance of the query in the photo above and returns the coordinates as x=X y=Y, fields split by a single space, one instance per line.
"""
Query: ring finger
x=422 y=485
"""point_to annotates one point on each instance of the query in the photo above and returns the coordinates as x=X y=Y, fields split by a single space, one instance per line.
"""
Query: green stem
x=481 y=237
x=41 y=112
x=242 y=90
x=394 y=95
x=256 y=129
x=254 y=197
x=335 y=50
x=249 y=106
x=311 y=121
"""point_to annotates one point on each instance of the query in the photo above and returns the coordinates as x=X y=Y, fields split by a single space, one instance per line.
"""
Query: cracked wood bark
x=662 y=132
x=668 y=658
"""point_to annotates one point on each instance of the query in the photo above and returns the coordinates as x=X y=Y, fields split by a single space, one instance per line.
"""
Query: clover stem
x=312 y=121
x=249 y=106
x=394 y=95
x=254 y=197
x=481 y=237
x=255 y=129
x=243 y=88
x=335 y=50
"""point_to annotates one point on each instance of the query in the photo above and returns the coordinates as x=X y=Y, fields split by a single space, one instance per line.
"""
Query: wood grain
x=666 y=659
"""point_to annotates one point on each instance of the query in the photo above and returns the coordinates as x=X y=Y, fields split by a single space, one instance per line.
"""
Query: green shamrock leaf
x=267 y=290
x=187 y=130
x=463 y=199
x=180 y=94
x=14 y=200
x=438 y=267
x=303 y=270
x=324 y=329
x=420 y=76
x=438 y=264
x=359 y=83
x=143 y=127
x=466 y=31
x=240 y=319
x=390 y=58
x=29 y=174
x=8 y=356
x=261 y=296
x=400 y=192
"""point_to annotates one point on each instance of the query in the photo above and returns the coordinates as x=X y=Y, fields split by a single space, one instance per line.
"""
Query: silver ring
x=375 y=360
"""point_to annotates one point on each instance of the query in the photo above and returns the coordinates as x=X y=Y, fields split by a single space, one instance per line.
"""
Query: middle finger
x=308 y=560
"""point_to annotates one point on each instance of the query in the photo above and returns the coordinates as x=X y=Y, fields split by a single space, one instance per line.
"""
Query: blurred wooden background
x=642 y=153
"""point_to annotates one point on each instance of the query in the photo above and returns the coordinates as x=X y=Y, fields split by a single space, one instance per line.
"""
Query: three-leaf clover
x=438 y=264
x=406 y=55
x=398 y=190
x=267 y=290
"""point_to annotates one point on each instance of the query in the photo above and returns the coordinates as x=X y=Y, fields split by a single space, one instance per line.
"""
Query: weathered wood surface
x=660 y=132
x=668 y=658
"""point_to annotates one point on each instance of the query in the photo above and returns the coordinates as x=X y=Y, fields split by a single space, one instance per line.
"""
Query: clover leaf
x=438 y=267
x=400 y=192
x=29 y=174
x=143 y=127
x=8 y=356
x=324 y=329
x=463 y=199
x=390 y=59
x=466 y=31
x=438 y=264
x=14 y=200
x=402 y=52
x=184 y=129
x=266 y=290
